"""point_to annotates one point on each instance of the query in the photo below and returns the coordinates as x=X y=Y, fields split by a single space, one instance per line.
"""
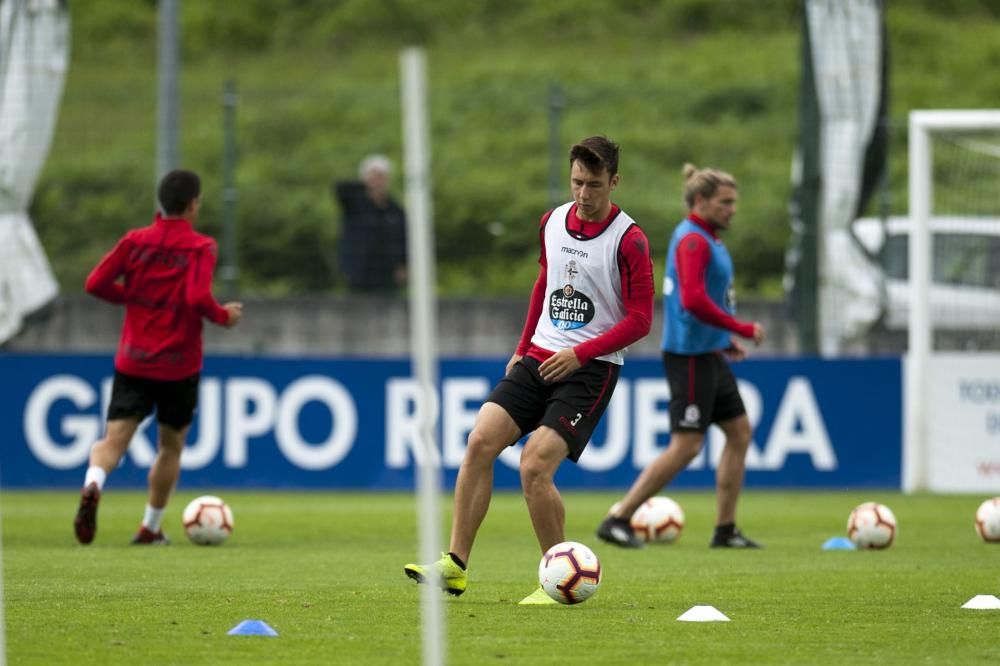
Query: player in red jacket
x=162 y=274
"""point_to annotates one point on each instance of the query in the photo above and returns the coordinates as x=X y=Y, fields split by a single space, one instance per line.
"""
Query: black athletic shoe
x=734 y=540
x=146 y=537
x=619 y=532
x=85 y=523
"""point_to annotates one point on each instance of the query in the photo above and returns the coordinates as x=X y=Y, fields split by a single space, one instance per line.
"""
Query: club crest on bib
x=569 y=308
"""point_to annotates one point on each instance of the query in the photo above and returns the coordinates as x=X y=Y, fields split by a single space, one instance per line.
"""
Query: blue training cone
x=838 y=543
x=252 y=628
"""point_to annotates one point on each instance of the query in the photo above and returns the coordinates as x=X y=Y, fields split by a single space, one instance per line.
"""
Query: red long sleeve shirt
x=693 y=257
x=166 y=288
x=636 y=270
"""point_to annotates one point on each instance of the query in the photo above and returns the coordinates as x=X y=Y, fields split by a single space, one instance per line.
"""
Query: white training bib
x=583 y=294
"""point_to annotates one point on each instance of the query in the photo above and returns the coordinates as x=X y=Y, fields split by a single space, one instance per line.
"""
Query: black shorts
x=702 y=391
x=175 y=401
x=572 y=407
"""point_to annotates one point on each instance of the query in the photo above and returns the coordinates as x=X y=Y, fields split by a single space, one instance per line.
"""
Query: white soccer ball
x=569 y=572
x=871 y=525
x=988 y=520
x=208 y=521
x=658 y=519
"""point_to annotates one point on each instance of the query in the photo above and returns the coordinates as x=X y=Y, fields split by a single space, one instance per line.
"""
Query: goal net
x=952 y=296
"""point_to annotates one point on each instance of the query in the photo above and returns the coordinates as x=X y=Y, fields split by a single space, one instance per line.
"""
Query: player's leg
x=729 y=483
x=132 y=399
x=573 y=410
x=162 y=479
x=540 y=459
x=166 y=468
x=692 y=390
x=684 y=446
x=106 y=453
x=732 y=467
x=513 y=408
x=732 y=418
x=175 y=406
x=512 y=402
x=682 y=449
x=104 y=457
x=493 y=431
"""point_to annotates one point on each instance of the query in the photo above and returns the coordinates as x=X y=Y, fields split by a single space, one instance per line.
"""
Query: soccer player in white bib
x=592 y=299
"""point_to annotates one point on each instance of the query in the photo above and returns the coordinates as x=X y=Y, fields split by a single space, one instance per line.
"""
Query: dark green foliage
x=715 y=83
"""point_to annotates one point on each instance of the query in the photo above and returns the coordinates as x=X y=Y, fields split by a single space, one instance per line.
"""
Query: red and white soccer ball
x=988 y=520
x=569 y=572
x=871 y=525
x=658 y=519
x=208 y=521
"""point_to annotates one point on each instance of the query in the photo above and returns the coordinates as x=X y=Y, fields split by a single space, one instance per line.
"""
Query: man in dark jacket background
x=372 y=248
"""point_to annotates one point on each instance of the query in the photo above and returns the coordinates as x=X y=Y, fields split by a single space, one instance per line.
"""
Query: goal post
x=952 y=406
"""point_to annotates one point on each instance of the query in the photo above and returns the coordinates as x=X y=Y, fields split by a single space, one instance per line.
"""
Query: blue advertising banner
x=331 y=423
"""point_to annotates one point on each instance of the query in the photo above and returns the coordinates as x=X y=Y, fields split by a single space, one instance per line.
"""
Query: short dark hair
x=596 y=153
x=177 y=190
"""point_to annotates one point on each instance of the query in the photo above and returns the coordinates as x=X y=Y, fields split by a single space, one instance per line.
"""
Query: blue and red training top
x=698 y=302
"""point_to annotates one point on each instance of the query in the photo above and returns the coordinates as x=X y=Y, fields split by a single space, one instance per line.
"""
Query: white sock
x=96 y=475
x=152 y=518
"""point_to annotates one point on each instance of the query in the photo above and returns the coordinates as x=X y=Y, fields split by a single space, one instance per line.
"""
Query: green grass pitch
x=325 y=571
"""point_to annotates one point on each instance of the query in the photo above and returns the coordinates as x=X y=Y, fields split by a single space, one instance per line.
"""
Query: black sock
x=725 y=530
x=457 y=560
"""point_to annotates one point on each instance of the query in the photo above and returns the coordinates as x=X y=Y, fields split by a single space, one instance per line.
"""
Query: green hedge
x=708 y=81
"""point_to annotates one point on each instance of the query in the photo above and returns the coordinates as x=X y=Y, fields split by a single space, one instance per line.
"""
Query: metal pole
x=806 y=203
x=229 y=272
x=168 y=99
x=420 y=255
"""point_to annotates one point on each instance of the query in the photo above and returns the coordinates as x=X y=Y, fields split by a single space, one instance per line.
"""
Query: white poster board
x=963 y=423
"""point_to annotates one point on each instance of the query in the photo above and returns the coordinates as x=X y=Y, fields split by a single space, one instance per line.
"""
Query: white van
x=965 y=283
